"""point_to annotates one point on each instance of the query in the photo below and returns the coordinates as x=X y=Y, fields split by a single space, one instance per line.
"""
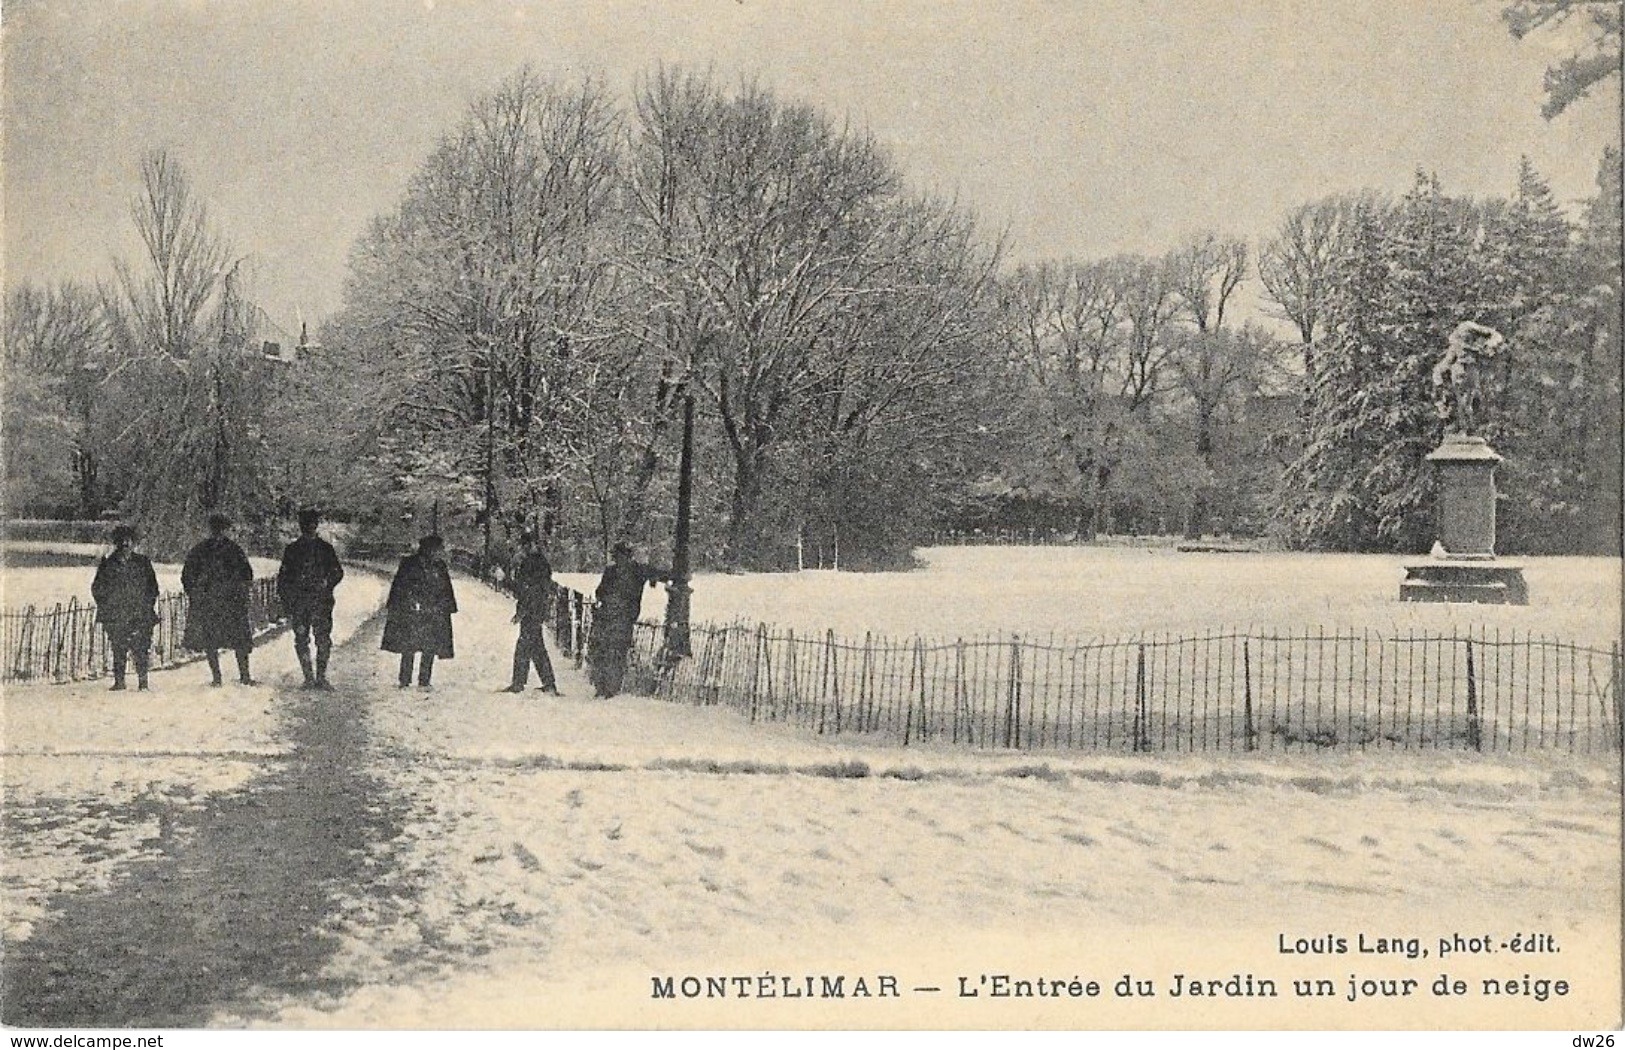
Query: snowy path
x=237 y=904
x=464 y=857
x=171 y=851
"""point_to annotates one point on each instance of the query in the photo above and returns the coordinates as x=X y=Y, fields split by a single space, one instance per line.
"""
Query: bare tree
x=185 y=392
x=1296 y=266
x=55 y=353
x=773 y=228
x=160 y=306
x=1150 y=303
x=1067 y=329
x=57 y=328
x=904 y=379
x=1204 y=275
x=486 y=294
x=1215 y=369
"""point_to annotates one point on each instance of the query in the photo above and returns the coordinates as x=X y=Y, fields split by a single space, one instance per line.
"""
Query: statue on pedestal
x=1464 y=567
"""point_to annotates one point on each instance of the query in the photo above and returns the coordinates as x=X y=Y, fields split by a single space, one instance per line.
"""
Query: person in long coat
x=305 y=580
x=217 y=579
x=418 y=614
x=620 y=599
x=125 y=591
x=533 y=599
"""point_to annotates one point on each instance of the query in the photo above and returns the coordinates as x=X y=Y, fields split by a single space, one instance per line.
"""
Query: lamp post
x=679 y=593
x=490 y=452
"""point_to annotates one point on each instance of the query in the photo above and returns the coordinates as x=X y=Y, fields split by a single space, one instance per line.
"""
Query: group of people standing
x=421 y=603
x=217 y=579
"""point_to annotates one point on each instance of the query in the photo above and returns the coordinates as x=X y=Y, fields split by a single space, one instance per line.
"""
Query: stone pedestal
x=1451 y=580
x=1467 y=570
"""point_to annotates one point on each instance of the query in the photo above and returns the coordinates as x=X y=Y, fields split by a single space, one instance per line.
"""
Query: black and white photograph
x=787 y=515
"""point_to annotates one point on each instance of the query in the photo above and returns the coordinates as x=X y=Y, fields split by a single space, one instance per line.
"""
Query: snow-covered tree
x=1594 y=63
x=55 y=357
x=1404 y=277
x=181 y=405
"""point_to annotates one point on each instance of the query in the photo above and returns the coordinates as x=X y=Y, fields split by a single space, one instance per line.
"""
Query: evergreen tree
x=1323 y=499
x=1404 y=278
x=1559 y=424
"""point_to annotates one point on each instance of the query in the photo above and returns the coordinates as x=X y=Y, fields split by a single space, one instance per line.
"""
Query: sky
x=1077 y=129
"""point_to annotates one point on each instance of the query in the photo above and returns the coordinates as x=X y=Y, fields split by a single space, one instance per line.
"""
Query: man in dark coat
x=217 y=579
x=418 y=613
x=125 y=590
x=620 y=599
x=533 y=598
x=305 y=580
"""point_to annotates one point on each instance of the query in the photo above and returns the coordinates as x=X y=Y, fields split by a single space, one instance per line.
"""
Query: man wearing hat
x=533 y=597
x=125 y=590
x=217 y=578
x=417 y=620
x=305 y=580
x=620 y=599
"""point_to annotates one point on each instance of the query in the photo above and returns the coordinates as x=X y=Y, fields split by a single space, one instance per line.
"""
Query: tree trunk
x=1101 y=513
x=85 y=469
x=1196 y=518
x=741 y=550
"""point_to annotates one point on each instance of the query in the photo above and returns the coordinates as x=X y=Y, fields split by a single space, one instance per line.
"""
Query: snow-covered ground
x=538 y=862
x=1113 y=592
x=76 y=753
x=46 y=586
x=577 y=848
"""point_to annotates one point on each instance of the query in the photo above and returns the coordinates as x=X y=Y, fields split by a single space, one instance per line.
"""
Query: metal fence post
x=860 y=716
x=1474 y=729
x=1141 y=739
x=835 y=675
x=1012 y=711
x=1247 y=695
x=756 y=666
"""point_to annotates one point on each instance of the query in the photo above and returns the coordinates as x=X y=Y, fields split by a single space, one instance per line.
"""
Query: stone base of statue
x=1458 y=580
x=1465 y=569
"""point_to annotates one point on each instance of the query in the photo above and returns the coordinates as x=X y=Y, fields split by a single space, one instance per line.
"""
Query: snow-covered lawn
x=1116 y=591
x=44 y=587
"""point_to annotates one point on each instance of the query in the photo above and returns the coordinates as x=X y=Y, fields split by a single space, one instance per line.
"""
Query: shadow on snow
x=238 y=913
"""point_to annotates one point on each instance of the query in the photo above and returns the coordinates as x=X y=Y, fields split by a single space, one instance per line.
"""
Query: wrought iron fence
x=1229 y=691
x=64 y=643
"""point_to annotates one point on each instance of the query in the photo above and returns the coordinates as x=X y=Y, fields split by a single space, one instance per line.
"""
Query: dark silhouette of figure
x=217 y=578
x=418 y=617
x=620 y=599
x=533 y=599
x=125 y=591
x=305 y=580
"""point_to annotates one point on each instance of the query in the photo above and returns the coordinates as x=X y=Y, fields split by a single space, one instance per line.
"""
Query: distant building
x=290 y=354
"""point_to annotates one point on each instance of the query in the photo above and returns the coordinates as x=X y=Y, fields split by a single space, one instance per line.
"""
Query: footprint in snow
x=526 y=858
x=1331 y=847
x=1131 y=835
